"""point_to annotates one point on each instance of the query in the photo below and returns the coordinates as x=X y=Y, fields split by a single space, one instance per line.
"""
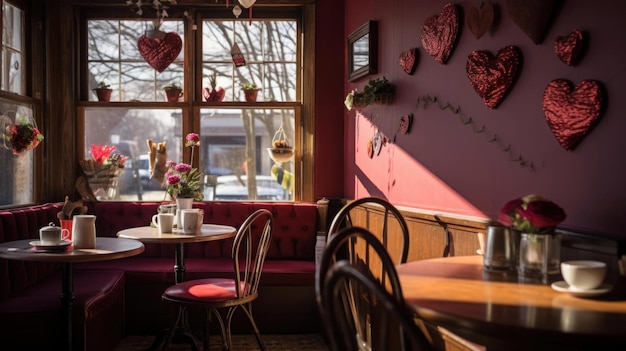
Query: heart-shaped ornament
x=569 y=49
x=493 y=77
x=160 y=53
x=378 y=140
x=213 y=95
x=571 y=111
x=408 y=61
x=479 y=20
x=247 y=3
x=405 y=123
x=439 y=33
x=533 y=17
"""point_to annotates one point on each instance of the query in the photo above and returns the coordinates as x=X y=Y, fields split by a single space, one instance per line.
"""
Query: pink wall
x=442 y=165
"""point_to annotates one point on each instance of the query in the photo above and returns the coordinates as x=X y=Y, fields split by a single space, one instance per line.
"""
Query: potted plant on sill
x=250 y=91
x=103 y=91
x=173 y=92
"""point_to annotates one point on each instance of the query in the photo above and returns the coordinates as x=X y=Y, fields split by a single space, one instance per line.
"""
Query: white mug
x=52 y=235
x=191 y=220
x=163 y=221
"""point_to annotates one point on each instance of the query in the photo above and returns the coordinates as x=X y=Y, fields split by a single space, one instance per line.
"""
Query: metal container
x=501 y=249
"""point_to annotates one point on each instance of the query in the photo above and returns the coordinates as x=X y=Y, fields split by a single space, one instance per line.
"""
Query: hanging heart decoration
x=408 y=61
x=160 y=53
x=493 y=77
x=247 y=3
x=533 y=17
x=439 y=33
x=405 y=123
x=569 y=49
x=378 y=141
x=479 y=20
x=571 y=111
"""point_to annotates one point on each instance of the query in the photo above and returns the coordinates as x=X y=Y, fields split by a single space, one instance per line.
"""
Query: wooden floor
x=284 y=342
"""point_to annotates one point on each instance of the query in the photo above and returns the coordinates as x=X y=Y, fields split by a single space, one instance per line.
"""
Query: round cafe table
x=106 y=249
x=148 y=234
x=501 y=312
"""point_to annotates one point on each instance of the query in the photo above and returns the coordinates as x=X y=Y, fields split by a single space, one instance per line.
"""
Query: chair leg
x=170 y=335
x=226 y=344
x=247 y=308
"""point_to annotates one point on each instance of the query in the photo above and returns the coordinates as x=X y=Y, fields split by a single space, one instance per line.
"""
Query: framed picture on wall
x=363 y=51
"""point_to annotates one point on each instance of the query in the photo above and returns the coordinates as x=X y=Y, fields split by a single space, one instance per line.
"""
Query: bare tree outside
x=270 y=49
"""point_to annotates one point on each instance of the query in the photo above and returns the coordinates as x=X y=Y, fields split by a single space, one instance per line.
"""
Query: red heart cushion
x=570 y=111
x=439 y=33
x=569 y=49
x=479 y=21
x=160 y=53
x=492 y=78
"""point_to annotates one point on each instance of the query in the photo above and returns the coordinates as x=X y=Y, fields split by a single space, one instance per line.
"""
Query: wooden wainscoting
x=431 y=235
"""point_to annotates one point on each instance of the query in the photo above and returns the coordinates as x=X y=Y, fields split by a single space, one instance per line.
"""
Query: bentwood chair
x=248 y=253
x=352 y=215
x=350 y=290
x=361 y=248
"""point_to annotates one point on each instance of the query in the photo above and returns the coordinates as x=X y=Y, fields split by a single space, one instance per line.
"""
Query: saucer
x=562 y=286
x=50 y=247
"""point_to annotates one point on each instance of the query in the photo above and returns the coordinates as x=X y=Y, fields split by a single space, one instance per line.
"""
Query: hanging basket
x=280 y=151
x=19 y=132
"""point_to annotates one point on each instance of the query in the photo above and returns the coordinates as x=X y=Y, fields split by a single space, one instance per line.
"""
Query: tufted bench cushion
x=286 y=302
x=30 y=306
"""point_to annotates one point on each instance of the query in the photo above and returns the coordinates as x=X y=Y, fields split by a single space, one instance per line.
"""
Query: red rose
x=543 y=214
x=508 y=211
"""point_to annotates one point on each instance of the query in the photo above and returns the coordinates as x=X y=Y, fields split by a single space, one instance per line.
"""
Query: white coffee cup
x=583 y=275
x=167 y=208
x=53 y=235
x=163 y=221
x=191 y=220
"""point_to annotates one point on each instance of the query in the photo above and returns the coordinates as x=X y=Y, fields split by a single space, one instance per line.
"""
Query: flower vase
x=540 y=254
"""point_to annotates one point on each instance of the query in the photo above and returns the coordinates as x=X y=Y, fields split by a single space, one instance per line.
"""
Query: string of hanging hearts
x=162 y=6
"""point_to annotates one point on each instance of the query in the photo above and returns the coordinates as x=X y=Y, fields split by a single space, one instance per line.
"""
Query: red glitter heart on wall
x=408 y=61
x=569 y=49
x=439 y=33
x=479 y=20
x=570 y=111
x=493 y=77
x=160 y=53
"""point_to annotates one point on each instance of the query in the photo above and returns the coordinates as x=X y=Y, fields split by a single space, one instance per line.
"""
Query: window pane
x=128 y=130
x=270 y=52
x=114 y=57
x=16 y=173
x=234 y=155
x=13 y=73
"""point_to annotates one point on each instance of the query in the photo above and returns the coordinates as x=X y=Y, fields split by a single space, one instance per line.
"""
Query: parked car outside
x=232 y=187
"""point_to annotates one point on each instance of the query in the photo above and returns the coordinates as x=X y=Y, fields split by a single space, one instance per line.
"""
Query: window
x=17 y=112
x=235 y=133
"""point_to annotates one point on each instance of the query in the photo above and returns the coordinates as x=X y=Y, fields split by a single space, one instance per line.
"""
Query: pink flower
x=193 y=139
x=508 y=210
x=182 y=168
x=173 y=179
x=542 y=213
x=170 y=164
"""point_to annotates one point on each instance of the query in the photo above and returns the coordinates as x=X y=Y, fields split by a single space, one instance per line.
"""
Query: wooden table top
x=496 y=310
x=106 y=249
x=149 y=234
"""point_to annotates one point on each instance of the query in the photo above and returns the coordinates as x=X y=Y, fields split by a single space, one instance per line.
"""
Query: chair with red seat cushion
x=250 y=247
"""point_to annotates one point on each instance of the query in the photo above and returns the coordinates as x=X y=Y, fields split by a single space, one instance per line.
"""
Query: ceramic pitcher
x=84 y=231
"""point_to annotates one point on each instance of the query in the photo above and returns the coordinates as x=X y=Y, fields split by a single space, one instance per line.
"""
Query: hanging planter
x=281 y=150
x=20 y=132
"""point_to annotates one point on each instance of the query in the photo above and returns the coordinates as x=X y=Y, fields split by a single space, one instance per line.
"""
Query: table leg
x=181 y=334
x=67 y=299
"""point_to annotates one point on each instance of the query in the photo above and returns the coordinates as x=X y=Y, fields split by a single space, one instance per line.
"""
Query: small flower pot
x=251 y=94
x=103 y=94
x=173 y=95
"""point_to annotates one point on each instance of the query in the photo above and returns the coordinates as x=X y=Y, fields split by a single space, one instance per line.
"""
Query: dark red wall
x=329 y=83
x=443 y=165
